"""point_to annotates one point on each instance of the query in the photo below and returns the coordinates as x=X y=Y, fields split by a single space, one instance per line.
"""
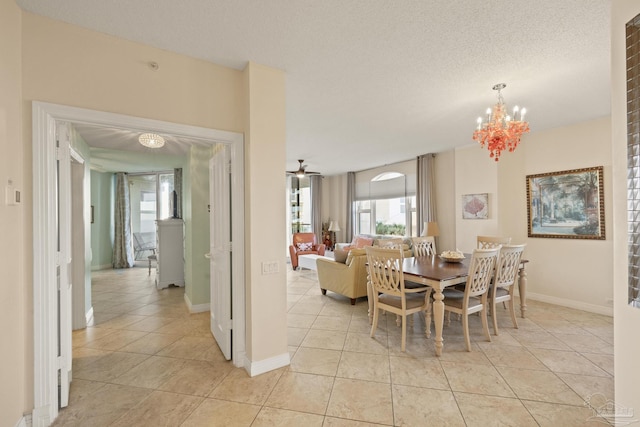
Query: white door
x=63 y=261
x=78 y=262
x=220 y=247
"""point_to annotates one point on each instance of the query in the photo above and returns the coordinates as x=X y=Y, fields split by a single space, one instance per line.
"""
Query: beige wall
x=266 y=299
x=13 y=308
x=573 y=272
x=444 y=166
x=68 y=65
x=570 y=272
x=474 y=173
x=627 y=319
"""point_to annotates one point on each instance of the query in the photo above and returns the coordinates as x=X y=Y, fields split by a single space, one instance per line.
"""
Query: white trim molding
x=45 y=314
x=25 y=421
x=89 y=316
x=266 y=365
x=591 y=308
x=198 y=308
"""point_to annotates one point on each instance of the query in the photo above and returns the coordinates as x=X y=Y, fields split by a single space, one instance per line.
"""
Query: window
x=385 y=200
x=150 y=195
x=300 y=205
x=389 y=216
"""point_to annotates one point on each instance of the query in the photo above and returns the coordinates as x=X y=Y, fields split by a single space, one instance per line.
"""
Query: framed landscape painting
x=567 y=204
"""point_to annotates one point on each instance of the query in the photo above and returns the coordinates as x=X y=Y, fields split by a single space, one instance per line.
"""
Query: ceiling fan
x=302 y=172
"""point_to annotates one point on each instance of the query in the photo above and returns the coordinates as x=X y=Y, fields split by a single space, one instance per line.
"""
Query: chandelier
x=501 y=131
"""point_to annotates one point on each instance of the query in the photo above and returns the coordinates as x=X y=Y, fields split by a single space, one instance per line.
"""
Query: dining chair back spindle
x=490 y=242
x=424 y=245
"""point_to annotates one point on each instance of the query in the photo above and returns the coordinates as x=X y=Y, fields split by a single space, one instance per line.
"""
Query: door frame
x=45 y=315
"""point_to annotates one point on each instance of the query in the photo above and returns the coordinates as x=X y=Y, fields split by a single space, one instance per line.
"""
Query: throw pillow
x=305 y=246
x=361 y=242
x=340 y=255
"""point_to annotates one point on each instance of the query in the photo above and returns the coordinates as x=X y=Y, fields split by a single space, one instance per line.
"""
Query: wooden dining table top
x=433 y=267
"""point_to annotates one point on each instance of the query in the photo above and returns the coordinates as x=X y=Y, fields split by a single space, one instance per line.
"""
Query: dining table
x=439 y=274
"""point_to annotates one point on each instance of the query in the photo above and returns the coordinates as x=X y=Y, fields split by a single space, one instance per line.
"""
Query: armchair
x=348 y=278
x=304 y=244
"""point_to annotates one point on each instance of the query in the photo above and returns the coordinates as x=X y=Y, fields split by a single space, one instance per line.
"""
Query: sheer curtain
x=122 y=242
x=316 y=206
x=425 y=192
x=177 y=186
x=351 y=197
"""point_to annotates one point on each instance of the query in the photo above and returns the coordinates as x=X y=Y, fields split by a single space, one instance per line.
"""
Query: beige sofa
x=348 y=279
x=375 y=240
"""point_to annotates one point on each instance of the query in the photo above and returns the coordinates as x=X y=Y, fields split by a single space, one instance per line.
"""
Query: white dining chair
x=474 y=297
x=504 y=281
x=388 y=290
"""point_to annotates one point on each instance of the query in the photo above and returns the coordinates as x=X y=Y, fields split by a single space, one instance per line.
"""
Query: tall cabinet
x=170 y=252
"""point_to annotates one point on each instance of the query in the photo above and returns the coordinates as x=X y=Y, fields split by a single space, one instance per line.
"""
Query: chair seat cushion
x=454 y=298
x=394 y=301
x=451 y=293
x=501 y=292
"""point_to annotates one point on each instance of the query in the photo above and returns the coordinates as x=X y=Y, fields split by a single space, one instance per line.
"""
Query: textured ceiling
x=370 y=82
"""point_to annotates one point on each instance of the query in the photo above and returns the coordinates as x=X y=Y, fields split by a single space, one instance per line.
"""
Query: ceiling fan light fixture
x=151 y=140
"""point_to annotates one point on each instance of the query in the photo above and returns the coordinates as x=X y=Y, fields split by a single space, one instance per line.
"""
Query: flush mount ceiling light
x=500 y=131
x=151 y=140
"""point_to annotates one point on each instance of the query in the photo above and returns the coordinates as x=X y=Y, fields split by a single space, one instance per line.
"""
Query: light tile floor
x=147 y=362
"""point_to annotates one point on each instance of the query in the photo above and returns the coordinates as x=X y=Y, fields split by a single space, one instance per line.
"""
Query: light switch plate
x=13 y=196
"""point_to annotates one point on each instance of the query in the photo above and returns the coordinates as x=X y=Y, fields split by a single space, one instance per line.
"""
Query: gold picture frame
x=566 y=204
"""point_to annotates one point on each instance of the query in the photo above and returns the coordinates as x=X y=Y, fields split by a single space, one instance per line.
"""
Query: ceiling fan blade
x=302 y=170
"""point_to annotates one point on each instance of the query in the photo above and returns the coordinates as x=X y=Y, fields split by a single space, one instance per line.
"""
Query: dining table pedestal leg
x=522 y=290
x=438 y=319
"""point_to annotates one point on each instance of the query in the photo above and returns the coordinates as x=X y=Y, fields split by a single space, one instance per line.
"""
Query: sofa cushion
x=340 y=255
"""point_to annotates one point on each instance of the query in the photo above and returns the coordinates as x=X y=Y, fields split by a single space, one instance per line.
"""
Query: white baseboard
x=592 y=308
x=89 y=316
x=41 y=417
x=266 y=365
x=101 y=267
x=197 y=308
x=25 y=421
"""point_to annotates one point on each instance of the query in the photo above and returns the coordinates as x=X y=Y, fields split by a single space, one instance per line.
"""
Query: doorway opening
x=46 y=118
